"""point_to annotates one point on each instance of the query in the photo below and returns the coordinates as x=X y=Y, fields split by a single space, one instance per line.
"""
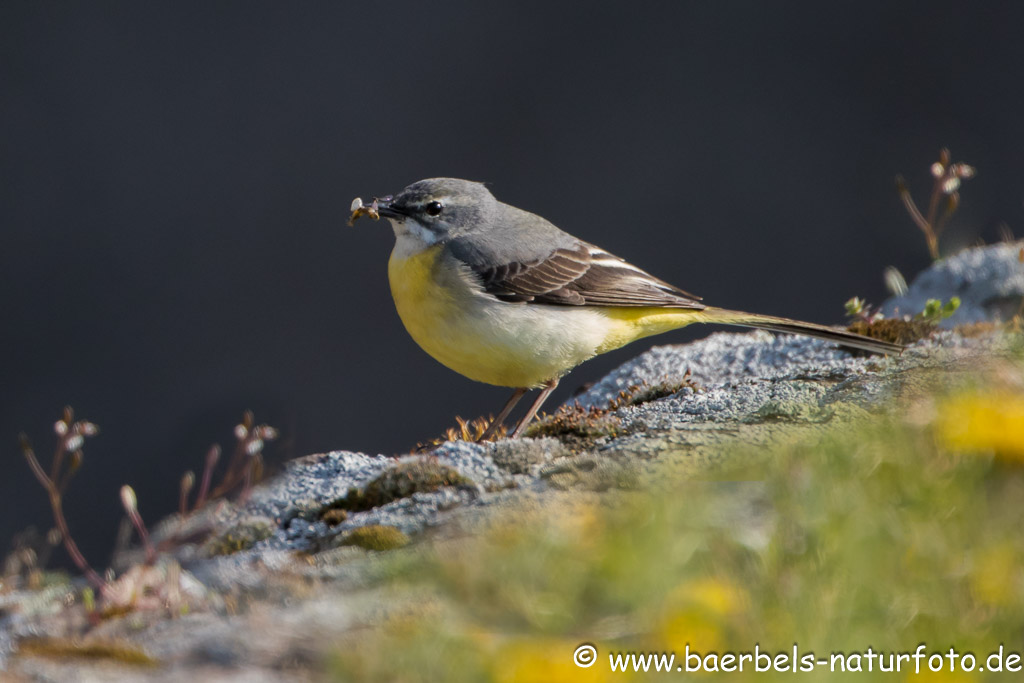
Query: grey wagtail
x=502 y=296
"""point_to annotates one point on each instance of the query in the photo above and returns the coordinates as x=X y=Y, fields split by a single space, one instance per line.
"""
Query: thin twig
x=908 y=201
x=212 y=456
x=940 y=173
x=58 y=515
x=948 y=177
x=62 y=427
x=131 y=507
x=188 y=480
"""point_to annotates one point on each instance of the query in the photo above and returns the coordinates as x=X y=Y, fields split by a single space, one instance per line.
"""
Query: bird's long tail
x=767 y=322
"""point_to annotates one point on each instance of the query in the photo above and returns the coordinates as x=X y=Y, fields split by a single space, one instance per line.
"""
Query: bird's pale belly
x=508 y=344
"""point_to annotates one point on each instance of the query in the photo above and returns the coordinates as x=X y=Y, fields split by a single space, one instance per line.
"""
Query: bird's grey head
x=437 y=209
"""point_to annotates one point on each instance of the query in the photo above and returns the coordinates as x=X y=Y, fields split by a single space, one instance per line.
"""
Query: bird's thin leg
x=549 y=386
x=500 y=419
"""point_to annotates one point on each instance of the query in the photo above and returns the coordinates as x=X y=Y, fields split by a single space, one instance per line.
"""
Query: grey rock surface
x=753 y=389
x=989 y=281
x=729 y=359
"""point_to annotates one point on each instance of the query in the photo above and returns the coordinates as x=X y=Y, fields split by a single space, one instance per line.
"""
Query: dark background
x=175 y=179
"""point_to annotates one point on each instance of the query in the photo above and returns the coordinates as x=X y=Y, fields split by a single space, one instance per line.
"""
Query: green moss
x=580 y=428
x=592 y=473
x=420 y=475
x=645 y=393
x=375 y=537
x=865 y=528
x=334 y=516
x=576 y=426
x=791 y=411
x=983 y=328
x=893 y=329
x=238 y=538
x=521 y=456
x=64 y=648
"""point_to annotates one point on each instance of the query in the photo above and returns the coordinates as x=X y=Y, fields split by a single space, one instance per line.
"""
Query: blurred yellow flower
x=691 y=627
x=696 y=612
x=944 y=676
x=996 y=575
x=715 y=595
x=542 y=660
x=984 y=422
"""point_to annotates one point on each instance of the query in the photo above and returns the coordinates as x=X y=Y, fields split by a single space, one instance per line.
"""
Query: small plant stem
x=933 y=201
x=131 y=508
x=58 y=515
x=233 y=473
x=187 y=482
x=247 y=482
x=212 y=456
x=915 y=214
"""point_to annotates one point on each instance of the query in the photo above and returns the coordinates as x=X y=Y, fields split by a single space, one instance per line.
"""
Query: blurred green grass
x=900 y=529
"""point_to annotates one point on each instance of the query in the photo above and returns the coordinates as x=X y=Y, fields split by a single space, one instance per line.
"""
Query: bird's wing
x=580 y=275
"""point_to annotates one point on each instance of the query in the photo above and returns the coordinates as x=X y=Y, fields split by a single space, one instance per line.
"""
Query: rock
x=988 y=280
x=285 y=583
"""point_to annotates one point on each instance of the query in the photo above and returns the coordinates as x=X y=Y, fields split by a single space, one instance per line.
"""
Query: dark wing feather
x=578 y=276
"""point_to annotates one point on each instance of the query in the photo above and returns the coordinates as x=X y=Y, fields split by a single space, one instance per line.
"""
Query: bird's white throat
x=411 y=238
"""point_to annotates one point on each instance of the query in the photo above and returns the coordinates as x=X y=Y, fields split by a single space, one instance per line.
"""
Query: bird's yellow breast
x=502 y=343
x=459 y=327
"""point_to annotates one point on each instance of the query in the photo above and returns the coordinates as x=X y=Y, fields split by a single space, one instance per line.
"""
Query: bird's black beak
x=386 y=207
x=380 y=206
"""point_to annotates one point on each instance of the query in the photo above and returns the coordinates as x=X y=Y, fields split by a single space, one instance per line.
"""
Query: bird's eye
x=434 y=208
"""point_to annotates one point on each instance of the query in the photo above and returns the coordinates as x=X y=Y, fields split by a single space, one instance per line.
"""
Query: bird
x=503 y=296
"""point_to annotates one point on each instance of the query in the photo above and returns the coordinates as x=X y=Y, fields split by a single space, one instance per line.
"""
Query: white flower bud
x=128 y=499
x=965 y=171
